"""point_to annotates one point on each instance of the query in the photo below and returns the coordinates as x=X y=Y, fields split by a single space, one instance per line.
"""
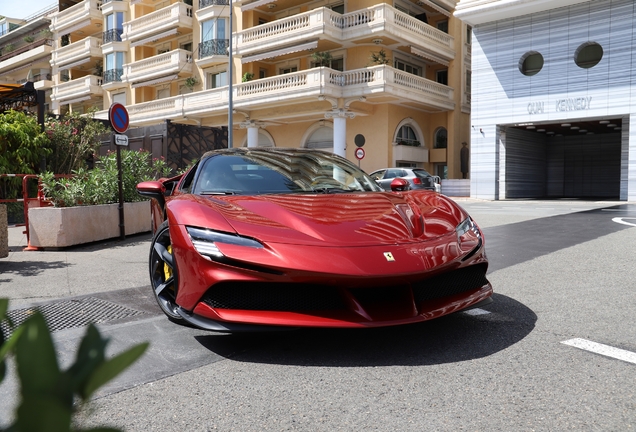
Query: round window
x=531 y=63
x=588 y=55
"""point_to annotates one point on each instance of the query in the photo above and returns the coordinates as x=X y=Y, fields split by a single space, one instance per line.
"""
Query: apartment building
x=554 y=98
x=304 y=73
x=25 y=50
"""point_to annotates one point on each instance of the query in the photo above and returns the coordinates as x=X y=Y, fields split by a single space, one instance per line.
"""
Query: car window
x=186 y=184
x=377 y=175
x=421 y=173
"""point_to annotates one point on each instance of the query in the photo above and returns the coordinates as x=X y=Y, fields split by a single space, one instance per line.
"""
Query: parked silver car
x=418 y=178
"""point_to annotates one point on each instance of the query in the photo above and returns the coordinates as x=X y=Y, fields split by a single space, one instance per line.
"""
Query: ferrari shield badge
x=389 y=256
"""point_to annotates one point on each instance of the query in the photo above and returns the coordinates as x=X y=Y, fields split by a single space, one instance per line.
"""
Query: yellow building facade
x=304 y=74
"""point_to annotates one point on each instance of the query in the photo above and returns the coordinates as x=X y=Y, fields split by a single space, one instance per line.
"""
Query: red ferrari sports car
x=253 y=237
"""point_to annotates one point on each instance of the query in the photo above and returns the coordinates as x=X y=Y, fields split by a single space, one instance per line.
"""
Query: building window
x=262 y=73
x=408 y=67
x=217 y=79
x=114 y=27
x=406 y=136
x=441 y=76
x=588 y=55
x=531 y=63
x=443 y=26
x=163 y=93
x=288 y=70
x=114 y=67
x=441 y=170
x=441 y=138
x=469 y=35
x=213 y=29
x=119 y=98
x=334 y=63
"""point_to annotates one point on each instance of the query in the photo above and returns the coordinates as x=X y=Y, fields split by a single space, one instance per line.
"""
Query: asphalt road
x=561 y=271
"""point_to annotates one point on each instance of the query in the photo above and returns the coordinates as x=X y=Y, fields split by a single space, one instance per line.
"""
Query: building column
x=339 y=117
x=252 y=132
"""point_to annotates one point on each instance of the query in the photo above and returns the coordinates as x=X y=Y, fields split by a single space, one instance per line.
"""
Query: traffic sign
x=121 y=140
x=118 y=117
x=360 y=153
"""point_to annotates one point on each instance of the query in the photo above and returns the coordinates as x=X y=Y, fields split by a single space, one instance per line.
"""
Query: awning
x=155 y=81
x=429 y=56
x=255 y=4
x=153 y=38
x=24 y=66
x=77 y=26
x=435 y=6
x=72 y=101
x=72 y=65
x=280 y=52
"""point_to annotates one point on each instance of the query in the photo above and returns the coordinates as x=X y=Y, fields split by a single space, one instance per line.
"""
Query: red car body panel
x=306 y=248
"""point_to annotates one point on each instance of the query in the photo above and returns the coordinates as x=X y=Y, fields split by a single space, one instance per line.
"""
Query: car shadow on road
x=454 y=338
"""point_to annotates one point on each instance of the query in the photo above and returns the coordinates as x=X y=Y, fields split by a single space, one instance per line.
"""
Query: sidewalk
x=28 y=277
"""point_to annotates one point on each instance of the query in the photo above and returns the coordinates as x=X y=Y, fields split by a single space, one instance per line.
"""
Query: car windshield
x=267 y=171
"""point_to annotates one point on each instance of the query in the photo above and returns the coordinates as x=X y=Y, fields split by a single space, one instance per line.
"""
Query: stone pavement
x=29 y=277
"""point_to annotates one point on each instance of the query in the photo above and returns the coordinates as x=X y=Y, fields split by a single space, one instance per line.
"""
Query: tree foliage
x=22 y=143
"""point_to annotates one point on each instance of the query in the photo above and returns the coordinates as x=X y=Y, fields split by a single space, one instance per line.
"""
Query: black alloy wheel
x=163 y=272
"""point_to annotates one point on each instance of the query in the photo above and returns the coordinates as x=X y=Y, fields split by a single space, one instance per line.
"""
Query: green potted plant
x=28 y=39
x=380 y=58
x=322 y=58
x=190 y=82
x=247 y=76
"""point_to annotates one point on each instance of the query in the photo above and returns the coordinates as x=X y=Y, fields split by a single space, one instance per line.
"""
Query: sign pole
x=120 y=184
x=119 y=121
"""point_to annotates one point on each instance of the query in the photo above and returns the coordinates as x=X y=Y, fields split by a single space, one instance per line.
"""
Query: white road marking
x=476 y=311
x=605 y=350
x=624 y=222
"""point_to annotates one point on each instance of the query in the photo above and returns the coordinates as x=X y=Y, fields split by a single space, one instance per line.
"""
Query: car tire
x=163 y=272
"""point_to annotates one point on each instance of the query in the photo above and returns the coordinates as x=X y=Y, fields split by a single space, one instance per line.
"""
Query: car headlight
x=205 y=240
x=466 y=226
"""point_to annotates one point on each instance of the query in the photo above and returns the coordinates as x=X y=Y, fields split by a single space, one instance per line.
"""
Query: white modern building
x=553 y=98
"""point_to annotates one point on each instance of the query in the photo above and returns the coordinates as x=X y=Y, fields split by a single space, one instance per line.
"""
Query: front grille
x=450 y=283
x=296 y=297
x=273 y=297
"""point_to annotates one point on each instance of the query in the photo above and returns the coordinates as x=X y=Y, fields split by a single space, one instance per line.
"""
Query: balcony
x=19 y=53
x=213 y=52
x=167 y=65
x=378 y=21
x=84 y=14
x=77 y=90
x=164 y=22
x=77 y=53
x=378 y=84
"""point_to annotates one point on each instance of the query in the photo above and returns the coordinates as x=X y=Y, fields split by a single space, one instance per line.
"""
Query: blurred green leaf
x=35 y=358
x=89 y=356
x=39 y=413
x=113 y=367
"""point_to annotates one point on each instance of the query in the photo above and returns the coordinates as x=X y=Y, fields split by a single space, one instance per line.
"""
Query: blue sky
x=24 y=8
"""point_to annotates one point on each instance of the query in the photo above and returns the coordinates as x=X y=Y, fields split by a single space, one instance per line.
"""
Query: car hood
x=359 y=219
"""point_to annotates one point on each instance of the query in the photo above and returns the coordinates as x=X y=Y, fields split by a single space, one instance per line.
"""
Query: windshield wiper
x=218 y=193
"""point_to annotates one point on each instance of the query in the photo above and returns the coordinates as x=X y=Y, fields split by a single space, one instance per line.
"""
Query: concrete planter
x=53 y=227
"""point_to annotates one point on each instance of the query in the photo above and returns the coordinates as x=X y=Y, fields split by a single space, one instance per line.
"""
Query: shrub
x=74 y=139
x=101 y=185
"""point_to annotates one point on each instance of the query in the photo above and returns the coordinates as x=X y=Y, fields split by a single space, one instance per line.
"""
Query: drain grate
x=72 y=314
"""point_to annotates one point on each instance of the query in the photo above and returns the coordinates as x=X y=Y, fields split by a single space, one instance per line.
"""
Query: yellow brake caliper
x=167 y=271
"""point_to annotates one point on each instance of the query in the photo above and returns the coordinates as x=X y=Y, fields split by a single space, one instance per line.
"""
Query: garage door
x=578 y=166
